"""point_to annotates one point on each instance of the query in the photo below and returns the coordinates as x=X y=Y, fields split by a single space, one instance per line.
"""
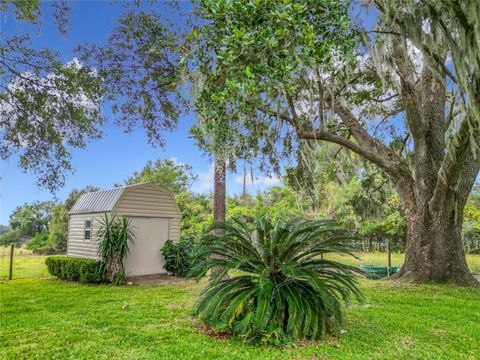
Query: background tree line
x=349 y=191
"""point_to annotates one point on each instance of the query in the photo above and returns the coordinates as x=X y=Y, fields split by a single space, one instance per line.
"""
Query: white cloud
x=205 y=181
x=176 y=161
x=259 y=180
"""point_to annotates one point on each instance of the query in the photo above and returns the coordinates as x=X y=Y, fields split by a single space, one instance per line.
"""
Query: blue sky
x=117 y=155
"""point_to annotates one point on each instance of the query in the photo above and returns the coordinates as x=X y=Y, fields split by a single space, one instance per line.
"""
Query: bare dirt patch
x=159 y=279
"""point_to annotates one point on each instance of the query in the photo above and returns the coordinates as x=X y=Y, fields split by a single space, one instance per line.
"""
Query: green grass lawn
x=28 y=265
x=25 y=264
x=47 y=318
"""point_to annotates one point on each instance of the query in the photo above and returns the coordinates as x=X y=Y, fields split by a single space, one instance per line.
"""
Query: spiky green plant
x=115 y=235
x=282 y=289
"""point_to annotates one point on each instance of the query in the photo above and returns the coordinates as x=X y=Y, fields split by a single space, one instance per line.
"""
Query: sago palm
x=282 y=288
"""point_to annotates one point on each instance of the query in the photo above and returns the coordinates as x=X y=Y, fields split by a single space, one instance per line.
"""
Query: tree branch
x=409 y=93
x=372 y=148
x=384 y=181
x=366 y=145
x=461 y=162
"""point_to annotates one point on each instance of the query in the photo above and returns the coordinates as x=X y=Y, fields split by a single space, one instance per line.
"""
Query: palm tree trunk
x=219 y=200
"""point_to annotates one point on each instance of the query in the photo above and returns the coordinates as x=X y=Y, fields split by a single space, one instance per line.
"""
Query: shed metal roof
x=97 y=201
x=106 y=200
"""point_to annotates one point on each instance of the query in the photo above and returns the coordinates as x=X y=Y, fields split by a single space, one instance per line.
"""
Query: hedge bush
x=39 y=242
x=75 y=269
x=178 y=255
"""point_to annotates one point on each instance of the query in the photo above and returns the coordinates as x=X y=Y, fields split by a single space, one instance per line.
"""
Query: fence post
x=389 y=267
x=10 y=270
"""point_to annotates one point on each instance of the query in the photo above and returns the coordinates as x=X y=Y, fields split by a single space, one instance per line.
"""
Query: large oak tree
x=404 y=94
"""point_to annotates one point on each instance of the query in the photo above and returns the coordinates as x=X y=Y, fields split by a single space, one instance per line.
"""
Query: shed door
x=145 y=257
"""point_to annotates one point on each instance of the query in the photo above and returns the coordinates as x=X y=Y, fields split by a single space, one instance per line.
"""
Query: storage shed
x=154 y=215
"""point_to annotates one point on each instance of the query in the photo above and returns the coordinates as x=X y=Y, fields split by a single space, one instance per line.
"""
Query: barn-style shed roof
x=101 y=201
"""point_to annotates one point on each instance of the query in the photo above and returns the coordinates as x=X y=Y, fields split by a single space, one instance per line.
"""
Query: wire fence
x=380 y=259
x=25 y=264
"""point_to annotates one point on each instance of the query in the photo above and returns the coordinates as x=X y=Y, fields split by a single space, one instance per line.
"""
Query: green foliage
x=236 y=208
x=285 y=291
x=394 y=223
x=47 y=107
x=29 y=221
x=58 y=229
x=331 y=182
x=471 y=224
x=75 y=269
x=32 y=219
x=178 y=255
x=120 y=278
x=39 y=242
x=24 y=10
x=140 y=69
x=254 y=54
x=11 y=237
x=317 y=165
x=167 y=173
x=279 y=203
x=197 y=213
x=115 y=235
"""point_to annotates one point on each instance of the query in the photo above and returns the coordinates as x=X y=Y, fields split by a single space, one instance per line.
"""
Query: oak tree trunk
x=435 y=192
x=434 y=250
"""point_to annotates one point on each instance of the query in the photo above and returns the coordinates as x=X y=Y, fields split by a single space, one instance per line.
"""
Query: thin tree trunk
x=219 y=191
x=219 y=200
x=244 y=191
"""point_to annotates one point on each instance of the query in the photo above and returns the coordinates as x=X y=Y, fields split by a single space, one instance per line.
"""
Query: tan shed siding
x=77 y=245
x=150 y=201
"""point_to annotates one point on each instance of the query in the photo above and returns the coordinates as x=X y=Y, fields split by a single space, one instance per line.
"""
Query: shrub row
x=75 y=269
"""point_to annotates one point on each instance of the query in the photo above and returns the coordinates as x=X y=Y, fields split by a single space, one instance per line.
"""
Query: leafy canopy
x=32 y=219
x=267 y=51
x=140 y=68
x=173 y=176
x=46 y=107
